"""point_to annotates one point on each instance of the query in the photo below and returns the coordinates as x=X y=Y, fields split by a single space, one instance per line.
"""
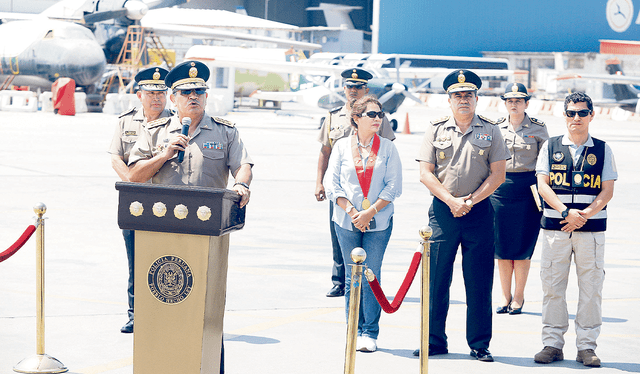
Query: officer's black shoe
x=128 y=328
x=482 y=354
x=336 y=291
x=433 y=351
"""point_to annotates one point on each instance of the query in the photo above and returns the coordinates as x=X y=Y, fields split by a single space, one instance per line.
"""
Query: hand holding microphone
x=186 y=122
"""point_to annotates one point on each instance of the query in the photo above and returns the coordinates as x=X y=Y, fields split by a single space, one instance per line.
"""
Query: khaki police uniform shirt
x=131 y=124
x=338 y=125
x=215 y=149
x=524 y=144
x=462 y=161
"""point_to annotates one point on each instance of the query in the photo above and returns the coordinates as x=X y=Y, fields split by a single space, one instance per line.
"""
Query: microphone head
x=186 y=121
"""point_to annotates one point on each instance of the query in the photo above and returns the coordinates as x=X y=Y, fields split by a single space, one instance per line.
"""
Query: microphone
x=186 y=122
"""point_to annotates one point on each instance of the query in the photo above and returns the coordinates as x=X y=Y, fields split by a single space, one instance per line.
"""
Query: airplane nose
x=84 y=62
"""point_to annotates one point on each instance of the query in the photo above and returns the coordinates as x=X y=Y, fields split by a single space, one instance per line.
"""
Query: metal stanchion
x=40 y=362
x=358 y=255
x=425 y=234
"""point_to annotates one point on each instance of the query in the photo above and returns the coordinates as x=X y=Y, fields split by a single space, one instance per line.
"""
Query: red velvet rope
x=402 y=292
x=18 y=244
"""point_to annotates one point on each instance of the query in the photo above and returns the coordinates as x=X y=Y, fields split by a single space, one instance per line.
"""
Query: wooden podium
x=181 y=250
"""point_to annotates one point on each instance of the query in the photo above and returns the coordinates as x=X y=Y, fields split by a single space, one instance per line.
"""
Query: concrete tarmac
x=278 y=319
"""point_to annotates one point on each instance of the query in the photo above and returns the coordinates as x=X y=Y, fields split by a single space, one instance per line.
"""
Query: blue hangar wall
x=466 y=28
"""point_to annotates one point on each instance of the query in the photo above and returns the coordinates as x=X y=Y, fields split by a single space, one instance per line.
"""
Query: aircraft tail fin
x=621 y=91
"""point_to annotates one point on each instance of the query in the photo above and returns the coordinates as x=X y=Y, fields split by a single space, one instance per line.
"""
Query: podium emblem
x=170 y=279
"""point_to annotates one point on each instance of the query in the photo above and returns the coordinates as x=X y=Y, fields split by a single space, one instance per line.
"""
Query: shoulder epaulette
x=487 y=120
x=223 y=121
x=536 y=121
x=500 y=120
x=336 y=109
x=158 y=122
x=127 y=112
x=440 y=120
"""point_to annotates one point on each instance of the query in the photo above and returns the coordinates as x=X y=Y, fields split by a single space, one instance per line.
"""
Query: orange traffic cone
x=406 y=126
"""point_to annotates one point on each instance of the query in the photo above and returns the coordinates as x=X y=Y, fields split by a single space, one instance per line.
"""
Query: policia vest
x=577 y=187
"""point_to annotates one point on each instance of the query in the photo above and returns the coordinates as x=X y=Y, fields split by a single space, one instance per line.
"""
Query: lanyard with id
x=577 y=176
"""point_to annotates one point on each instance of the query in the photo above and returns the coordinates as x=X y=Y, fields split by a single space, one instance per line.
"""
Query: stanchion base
x=40 y=364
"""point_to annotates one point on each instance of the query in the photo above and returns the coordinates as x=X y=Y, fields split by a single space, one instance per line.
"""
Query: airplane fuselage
x=38 y=52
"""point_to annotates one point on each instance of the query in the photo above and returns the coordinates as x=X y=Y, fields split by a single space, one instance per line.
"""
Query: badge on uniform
x=212 y=145
x=577 y=179
x=591 y=159
x=558 y=156
x=442 y=155
x=481 y=152
x=130 y=133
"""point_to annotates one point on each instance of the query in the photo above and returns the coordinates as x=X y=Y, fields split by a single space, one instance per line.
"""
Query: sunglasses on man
x=581 y=113
x=199 y=91
x=372 y=114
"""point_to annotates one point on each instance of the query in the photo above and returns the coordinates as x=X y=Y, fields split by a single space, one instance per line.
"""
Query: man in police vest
x=575 y=175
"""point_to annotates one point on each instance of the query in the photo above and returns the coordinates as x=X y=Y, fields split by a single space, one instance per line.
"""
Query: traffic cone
x=406 y=126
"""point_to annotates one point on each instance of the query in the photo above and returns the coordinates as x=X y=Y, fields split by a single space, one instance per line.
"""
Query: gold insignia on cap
x=461 y=77
x=193 y=72
x=156 y=75
x=514 y=88
x=591 y=159
x=354 y=75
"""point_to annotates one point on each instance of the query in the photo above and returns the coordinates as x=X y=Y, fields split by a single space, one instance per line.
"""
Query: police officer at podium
x=212 y=146
x=337 y=125
x=462 y=161
x=152 y=94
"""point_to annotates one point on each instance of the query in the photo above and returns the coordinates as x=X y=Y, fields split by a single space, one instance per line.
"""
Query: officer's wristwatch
x=565 y=213
x=242 y=184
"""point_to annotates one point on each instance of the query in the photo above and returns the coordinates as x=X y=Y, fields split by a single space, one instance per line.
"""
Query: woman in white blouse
x=363 y=178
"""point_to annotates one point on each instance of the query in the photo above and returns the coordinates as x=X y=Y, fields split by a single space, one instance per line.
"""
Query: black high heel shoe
x=516 y=310
x=504 y=309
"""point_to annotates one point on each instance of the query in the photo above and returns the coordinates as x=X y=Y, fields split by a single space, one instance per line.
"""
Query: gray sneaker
x=548 y=354
x=588 y=358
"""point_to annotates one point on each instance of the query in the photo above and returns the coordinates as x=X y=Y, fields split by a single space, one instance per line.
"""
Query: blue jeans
x=374 y=243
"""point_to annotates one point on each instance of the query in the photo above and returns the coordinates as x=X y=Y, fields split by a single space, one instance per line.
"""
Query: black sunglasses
x=199 y=91
x=581 y=113
x=372 y=114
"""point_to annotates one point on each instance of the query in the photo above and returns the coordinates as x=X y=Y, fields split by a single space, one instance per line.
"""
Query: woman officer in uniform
x=517 y=217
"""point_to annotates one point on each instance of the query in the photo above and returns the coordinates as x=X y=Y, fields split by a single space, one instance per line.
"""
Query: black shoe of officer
x=336 y=291
x=482 y=354
x=128 y=328
x=433 y=351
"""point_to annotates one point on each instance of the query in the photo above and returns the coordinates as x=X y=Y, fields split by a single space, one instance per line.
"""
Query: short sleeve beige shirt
x=214 y=150
x=462 y=161
x=337 y=125
x=130 y=126
x=524 y=144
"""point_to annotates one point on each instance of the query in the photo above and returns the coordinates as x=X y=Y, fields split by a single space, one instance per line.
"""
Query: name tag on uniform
x=558 y=167
x=212 y=145
x=130 y=133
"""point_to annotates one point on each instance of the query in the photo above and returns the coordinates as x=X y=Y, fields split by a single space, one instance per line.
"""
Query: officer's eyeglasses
x=581 y=113
x=372 y=114
x=199 y=91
